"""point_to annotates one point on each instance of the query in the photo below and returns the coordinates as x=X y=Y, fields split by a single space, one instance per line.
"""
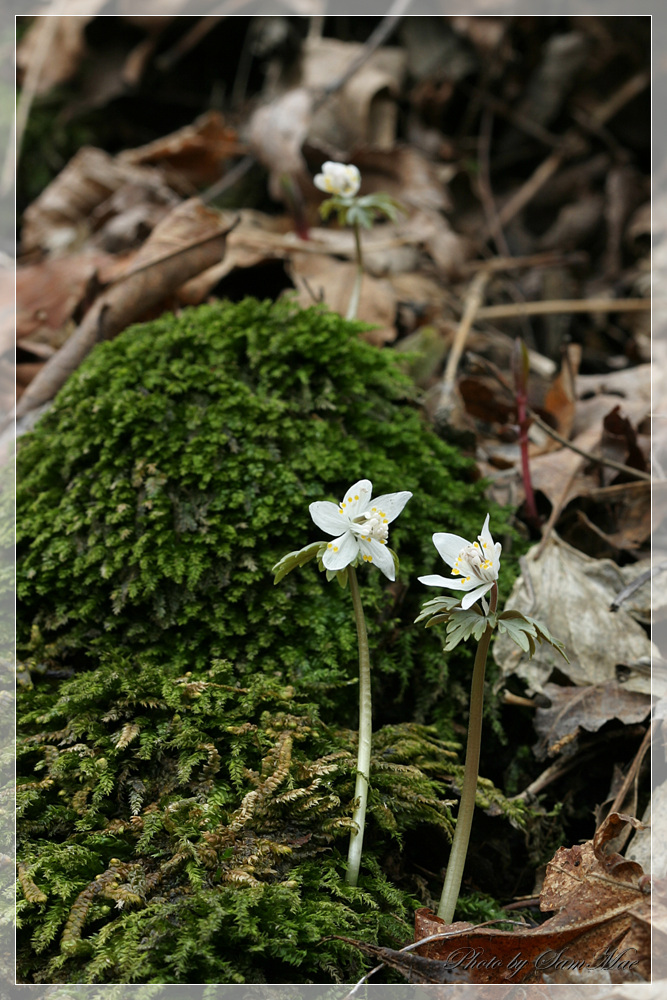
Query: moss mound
x=187 y=751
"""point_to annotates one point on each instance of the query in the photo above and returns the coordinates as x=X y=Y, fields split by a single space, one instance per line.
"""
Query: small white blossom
x=360 y=525
x=475 y=565
x=341 y=179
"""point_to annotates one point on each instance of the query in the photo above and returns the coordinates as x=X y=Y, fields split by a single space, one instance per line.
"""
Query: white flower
x=360 y=525
x=475 y=564
x=341 y=179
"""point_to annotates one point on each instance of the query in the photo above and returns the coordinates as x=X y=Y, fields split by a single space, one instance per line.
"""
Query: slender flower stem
x=457 y=857
x=356 y=291
x=365 y=732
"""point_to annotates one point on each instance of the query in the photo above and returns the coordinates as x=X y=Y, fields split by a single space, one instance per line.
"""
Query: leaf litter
x=528 y=171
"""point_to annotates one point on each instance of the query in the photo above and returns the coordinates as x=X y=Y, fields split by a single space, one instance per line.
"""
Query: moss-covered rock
x=187 y=751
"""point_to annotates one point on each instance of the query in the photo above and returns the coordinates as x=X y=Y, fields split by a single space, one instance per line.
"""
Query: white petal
x=357 y=498
x=322 y=182
x=473 y=595
x=328 y=517
x=341 y=552
x=391 y=503
x=485 y=538
x=380 y=556
x=434 y=580
x=454 y=583
x=449 y=546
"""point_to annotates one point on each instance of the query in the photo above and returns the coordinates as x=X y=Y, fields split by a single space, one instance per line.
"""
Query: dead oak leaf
x=589 y=708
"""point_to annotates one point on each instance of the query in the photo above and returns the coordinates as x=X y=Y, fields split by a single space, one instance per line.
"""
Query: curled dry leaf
x=195 y=153
x=48 y=294
x=589 y=708
x=62 y=40
x=364 y=110
x=60 y=217
x=571 y=594
x=276 y=133
x=602 y=924
x=185 y=243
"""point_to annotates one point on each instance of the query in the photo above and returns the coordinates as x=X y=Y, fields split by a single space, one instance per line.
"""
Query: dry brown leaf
x=48 y=295
x=364 y=110
x=560 y=400
x=319 y=278
x=196 y=153
x=572 y=594
x=64 y=40
x=276 y=134
x=627 y=506
x=59 y=218
x=589 y=708
x=185 y=243
x=602 y=924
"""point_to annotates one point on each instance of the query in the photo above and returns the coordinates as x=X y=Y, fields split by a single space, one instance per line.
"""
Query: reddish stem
x=531 y=508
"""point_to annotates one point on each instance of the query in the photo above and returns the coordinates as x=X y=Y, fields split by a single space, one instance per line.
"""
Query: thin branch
x=471 y=309
x=571 y=145
x=511 y=310
x=598 y=459
x=638 y=582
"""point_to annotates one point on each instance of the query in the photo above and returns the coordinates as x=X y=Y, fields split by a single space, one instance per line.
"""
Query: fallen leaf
x=276 y=134
x=319 y=278
x=59 y=218
x=572 y=594
x=186 y=242
x=49 y=293
x=364 y=110
x=196 y=153
x=58 y=43
x=589 y=708
x=602 y=923
x=560 y=400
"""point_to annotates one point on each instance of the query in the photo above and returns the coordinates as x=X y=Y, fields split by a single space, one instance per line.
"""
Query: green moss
x=187 y=739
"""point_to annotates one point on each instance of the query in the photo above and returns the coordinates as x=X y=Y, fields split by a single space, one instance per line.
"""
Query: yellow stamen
x=335 y=548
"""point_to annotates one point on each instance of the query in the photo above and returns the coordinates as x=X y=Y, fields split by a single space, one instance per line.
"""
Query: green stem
x=365 y=732
x=457 y=857
x=356 y=291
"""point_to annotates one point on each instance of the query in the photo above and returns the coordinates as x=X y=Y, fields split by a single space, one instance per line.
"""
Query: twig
x=572 y=143
x=548 y=429
x=512 y=309
x=561 y=767
x=598 y=459
x=633 y=771
x=638 y=582
x=377 y=37
x=547 y=258
x=471 y=309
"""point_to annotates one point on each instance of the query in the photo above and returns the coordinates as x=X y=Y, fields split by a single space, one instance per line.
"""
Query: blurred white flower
x=360 y=525
x=341 y=179
x=475 y=565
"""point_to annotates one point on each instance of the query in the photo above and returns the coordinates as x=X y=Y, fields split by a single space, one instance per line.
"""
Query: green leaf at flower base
x=465 y=623
x=298 y=558
x=440 y=606
x=523 y=630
